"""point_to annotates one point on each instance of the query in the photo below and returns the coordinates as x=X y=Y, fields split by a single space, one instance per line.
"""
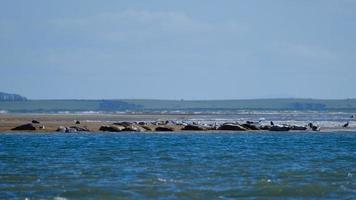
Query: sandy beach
x=93 y=122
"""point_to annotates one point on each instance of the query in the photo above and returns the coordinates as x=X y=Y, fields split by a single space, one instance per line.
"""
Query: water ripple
x=178 y=166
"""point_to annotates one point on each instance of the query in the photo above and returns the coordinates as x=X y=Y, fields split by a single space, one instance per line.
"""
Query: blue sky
x=184 y=49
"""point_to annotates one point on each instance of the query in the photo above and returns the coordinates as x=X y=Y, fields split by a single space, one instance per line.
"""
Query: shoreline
x=152 y=123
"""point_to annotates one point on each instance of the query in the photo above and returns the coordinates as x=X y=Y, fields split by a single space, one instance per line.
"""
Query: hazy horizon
x=94 y=99
x=192 y=50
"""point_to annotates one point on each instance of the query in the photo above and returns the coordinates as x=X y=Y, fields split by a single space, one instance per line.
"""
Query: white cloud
x=305 y=51
x=138 y=25
x=310 y=51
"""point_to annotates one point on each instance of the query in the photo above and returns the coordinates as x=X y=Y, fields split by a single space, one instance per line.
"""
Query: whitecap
x=89 y=112
x=59 y=198
x=162 y=180
x=63 y=112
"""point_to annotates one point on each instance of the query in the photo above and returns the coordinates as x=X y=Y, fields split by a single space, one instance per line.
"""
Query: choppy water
x=178 y=166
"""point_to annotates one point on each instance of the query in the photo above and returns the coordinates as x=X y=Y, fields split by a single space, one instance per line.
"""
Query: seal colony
x=153 y=123
x=169 y=125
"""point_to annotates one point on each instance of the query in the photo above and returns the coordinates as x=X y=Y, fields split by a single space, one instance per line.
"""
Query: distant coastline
x=11 y=97
x=142 y=105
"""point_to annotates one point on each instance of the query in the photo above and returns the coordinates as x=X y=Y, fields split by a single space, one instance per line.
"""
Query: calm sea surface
x=178 y=166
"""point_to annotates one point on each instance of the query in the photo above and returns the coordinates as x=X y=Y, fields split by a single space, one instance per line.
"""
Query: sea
x=178 y=165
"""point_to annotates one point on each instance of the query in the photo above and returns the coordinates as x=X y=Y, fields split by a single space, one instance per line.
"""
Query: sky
x=186 y=49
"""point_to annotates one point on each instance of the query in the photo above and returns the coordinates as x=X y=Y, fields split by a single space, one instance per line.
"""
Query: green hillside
x=149 y=105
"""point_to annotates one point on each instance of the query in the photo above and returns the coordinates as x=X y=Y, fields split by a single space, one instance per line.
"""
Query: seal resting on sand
x=112 y=128
x=191 y=127
x=231 y=127
x=346 y=125
x=164 y=128
x=250 y=126
x=313 y=127
x=279 y=128
x=298 y=128
x=25 y=127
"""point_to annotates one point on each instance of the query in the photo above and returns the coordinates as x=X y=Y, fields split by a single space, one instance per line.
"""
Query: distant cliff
x=11 y=97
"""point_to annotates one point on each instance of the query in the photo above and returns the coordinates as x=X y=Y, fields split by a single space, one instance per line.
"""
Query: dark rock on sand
x=77 y=122
x=164 y=128
x=191 y=127
x=232 y=127
x=25 y=127
x=35 y=122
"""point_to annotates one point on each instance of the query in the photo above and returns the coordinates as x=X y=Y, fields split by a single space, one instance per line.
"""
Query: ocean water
x=185 y=165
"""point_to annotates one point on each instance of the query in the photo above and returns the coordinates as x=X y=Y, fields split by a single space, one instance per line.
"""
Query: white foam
x=163 y=180
x=59 y=198
x=63 y=112
x=90 y=112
